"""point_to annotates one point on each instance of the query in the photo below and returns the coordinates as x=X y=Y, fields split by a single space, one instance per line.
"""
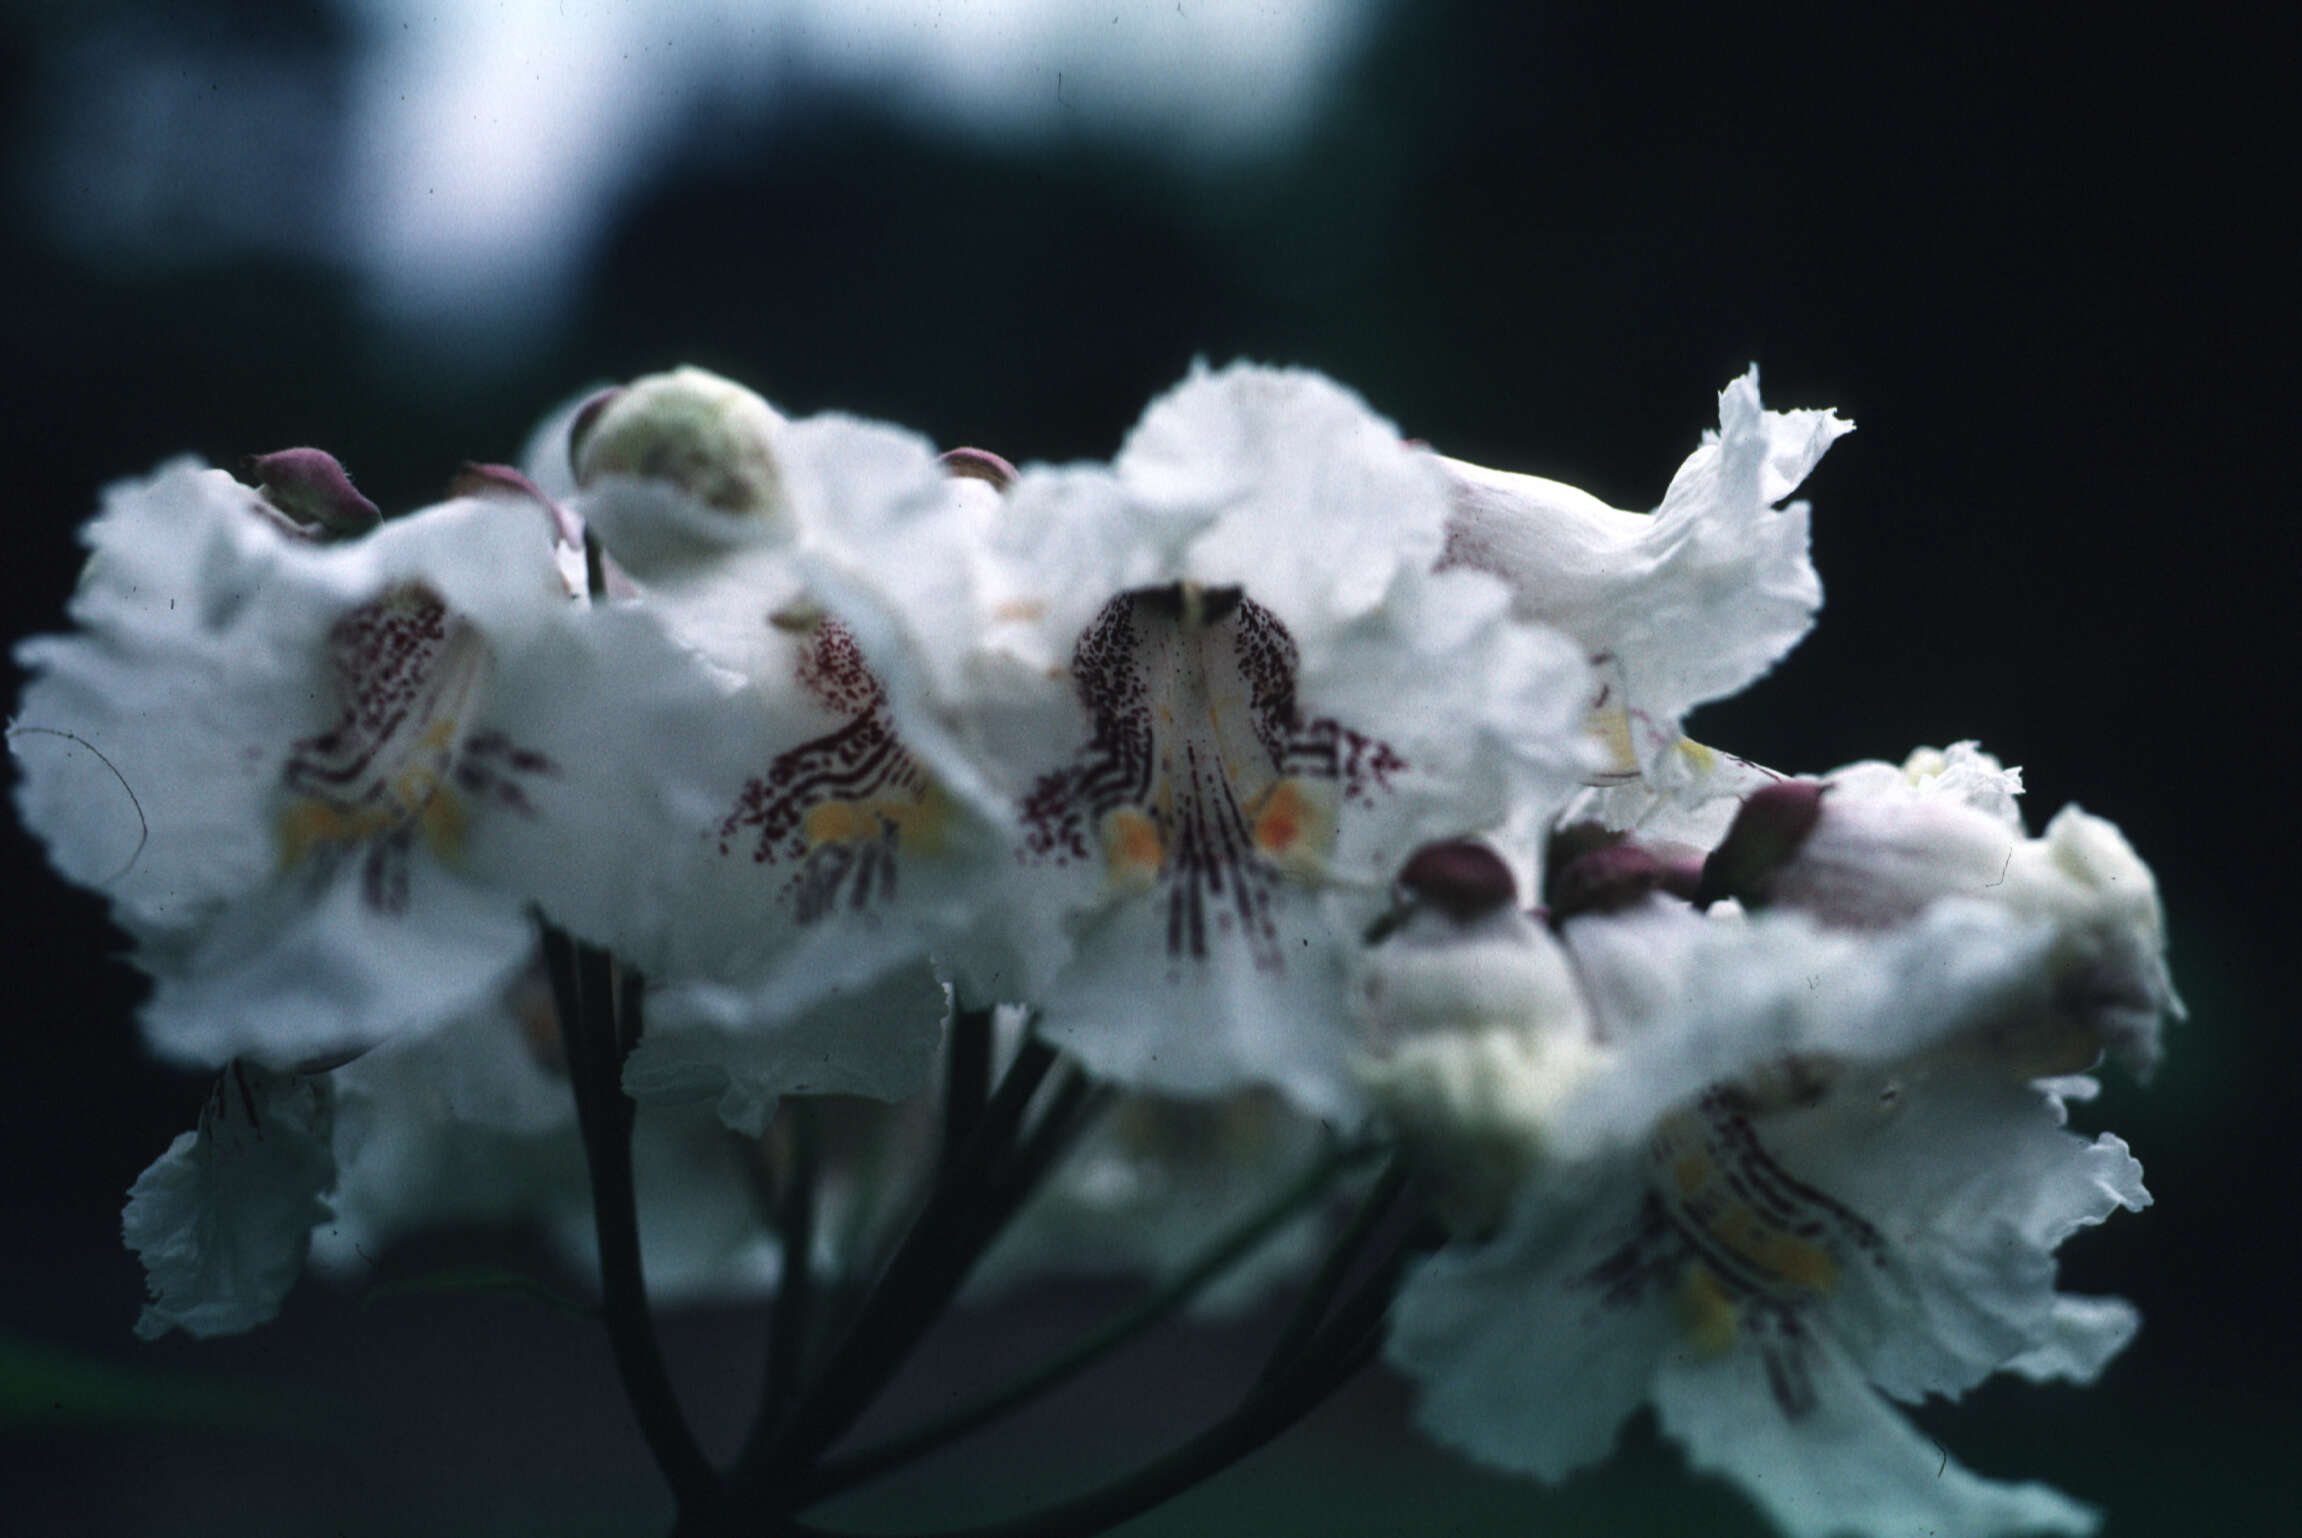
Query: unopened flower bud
x=1879 y=849
x=1771 y=828
x=1462 y=880
x=1614 y=876
x=583 y=419
x=1475 y=1030
x=311 y=488
x=980 y=465
x=708 y=436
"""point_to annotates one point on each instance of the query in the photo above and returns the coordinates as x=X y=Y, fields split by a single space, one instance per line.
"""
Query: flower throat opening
x=1201 y=780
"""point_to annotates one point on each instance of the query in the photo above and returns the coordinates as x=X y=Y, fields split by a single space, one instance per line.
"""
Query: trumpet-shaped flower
x=300 y=769
x=1220 y=693
x=1685 y=604
x=1770 y=1273
x=795 y=860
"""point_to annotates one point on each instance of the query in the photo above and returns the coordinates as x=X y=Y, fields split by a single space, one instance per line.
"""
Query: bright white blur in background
x=465 y=159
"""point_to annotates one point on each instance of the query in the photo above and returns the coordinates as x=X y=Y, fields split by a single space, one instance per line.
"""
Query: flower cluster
x=1222 y=769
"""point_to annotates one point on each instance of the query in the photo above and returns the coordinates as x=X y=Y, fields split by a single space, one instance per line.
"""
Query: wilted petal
x=223 y=1220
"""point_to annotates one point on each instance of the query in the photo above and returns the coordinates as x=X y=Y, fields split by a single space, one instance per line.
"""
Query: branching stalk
x=841 y=1474
x=913 y=1291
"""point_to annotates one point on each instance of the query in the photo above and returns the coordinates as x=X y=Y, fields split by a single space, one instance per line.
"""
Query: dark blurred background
x=2028 y=254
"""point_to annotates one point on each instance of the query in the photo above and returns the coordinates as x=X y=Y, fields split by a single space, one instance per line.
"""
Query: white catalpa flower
x=794 y=862
x=223 y=1220
x=1225 y=694
x=1685 y=604
x=1865 y=1209
x=301 y=770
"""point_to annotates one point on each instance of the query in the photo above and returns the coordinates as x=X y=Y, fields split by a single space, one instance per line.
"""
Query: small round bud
x=709 y=436
x=310 y=487
x=1462 y=880
x=586 y=418
x=980 y=465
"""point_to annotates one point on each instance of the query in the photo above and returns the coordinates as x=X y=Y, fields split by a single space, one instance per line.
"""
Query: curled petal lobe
x=1689 y=603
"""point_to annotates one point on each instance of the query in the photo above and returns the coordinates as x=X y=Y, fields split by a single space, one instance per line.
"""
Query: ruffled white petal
x=181 y=699
x=306 y=969
x=2082 y=1335
x=1684 y=1001
x=1972 y=1184
x=222 y=1220
x=1849 y=1463
x=1961 y=771
x=1527 y=1353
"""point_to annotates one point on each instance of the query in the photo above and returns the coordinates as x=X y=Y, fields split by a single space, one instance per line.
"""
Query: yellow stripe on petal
x=1610 y=727
x=444 y=824
x=1132 y=850
x=1706 y=1313
x=839 y=822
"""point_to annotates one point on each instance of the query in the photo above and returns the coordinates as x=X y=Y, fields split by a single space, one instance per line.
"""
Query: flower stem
x=840 y=1474
x=1312 y=1306
x=794 y=1295
x=1328 y=1357
x=966 y=1077
x=1274 y=1404
x=585 y=991
x=913 y=1291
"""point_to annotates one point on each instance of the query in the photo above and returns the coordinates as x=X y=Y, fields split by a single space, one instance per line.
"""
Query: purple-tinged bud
x=1568 y=843
x=585 y=419
x=980 y=465
x=1769 y=830
x=310 y=487
x=1617 y=876
x=504 y=481
x=1463 y=880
